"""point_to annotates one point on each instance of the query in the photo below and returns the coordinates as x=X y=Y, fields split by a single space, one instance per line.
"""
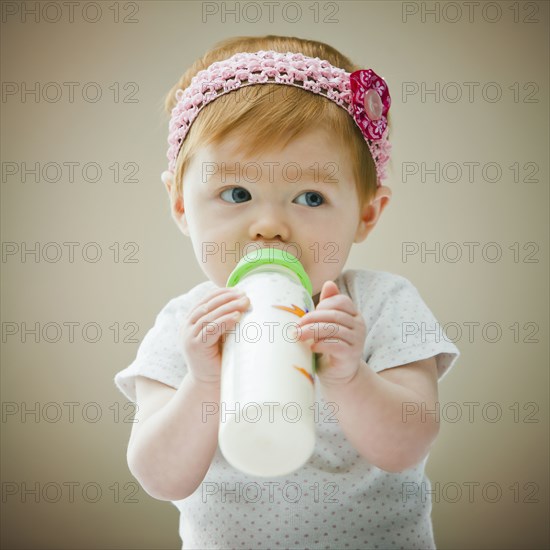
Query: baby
x=283 y=142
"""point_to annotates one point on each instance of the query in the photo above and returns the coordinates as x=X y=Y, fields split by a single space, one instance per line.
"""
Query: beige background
x=152 y=52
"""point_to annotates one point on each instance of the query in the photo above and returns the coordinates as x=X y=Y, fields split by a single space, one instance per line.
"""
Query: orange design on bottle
x=305 y=373
x=294 y=309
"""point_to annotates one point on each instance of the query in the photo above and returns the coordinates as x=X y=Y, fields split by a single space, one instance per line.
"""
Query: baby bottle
x=267 y=395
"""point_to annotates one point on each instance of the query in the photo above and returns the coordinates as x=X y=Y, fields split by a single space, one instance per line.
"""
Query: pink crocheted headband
x=363 y=94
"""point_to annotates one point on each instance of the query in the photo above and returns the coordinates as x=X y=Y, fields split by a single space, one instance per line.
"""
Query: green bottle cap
x=264 y=256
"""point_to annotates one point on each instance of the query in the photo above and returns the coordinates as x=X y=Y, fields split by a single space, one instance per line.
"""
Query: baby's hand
x=338 y=331
x=203 y=328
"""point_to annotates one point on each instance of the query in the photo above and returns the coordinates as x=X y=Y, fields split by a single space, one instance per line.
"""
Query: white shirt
x=337 y=499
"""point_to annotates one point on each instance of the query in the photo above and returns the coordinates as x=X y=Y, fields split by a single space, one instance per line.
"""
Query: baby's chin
x=218 y=274
x=218 y=279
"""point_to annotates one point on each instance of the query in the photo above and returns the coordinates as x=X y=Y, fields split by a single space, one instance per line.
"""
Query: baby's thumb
x=329 y=289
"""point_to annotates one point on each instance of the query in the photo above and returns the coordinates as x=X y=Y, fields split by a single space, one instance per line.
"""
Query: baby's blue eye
x=238 y=194
x=312 y=198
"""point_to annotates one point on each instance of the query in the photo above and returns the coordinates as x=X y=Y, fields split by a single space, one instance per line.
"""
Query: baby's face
x=284 y=199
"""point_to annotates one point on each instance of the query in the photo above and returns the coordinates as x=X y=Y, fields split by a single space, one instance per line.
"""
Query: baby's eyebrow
x=253 y=172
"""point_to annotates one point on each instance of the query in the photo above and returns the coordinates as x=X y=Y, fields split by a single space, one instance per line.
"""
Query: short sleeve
x=160 y=355
x=400 y=326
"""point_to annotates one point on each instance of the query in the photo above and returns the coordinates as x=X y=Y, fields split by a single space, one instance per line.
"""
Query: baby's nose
x=270 y=224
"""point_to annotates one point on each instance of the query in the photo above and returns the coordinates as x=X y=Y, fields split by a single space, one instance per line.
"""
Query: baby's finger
x=329 y=332
x=340 y=302
x=211 y=303
x=211 y=332
x=236 y=304
x=329 y=316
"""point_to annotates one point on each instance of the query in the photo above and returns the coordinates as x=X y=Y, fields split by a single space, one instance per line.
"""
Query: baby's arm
x=175 y=437
x=373 y=407
x=172 y=445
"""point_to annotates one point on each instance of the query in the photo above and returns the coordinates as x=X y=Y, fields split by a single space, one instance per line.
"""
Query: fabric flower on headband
x=371 y=102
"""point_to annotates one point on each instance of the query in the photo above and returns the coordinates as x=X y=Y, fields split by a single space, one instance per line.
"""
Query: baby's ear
x=176 y=202
x=370 y=213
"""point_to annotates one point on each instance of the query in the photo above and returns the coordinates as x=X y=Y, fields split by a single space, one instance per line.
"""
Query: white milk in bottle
x=267 y=395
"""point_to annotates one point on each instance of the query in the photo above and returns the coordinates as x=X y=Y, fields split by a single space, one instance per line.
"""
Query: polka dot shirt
x=337 y=500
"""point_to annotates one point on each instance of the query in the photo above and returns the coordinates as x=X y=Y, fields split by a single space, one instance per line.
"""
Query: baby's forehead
x=315 y=148
x=300 y=162
x=258 y=172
